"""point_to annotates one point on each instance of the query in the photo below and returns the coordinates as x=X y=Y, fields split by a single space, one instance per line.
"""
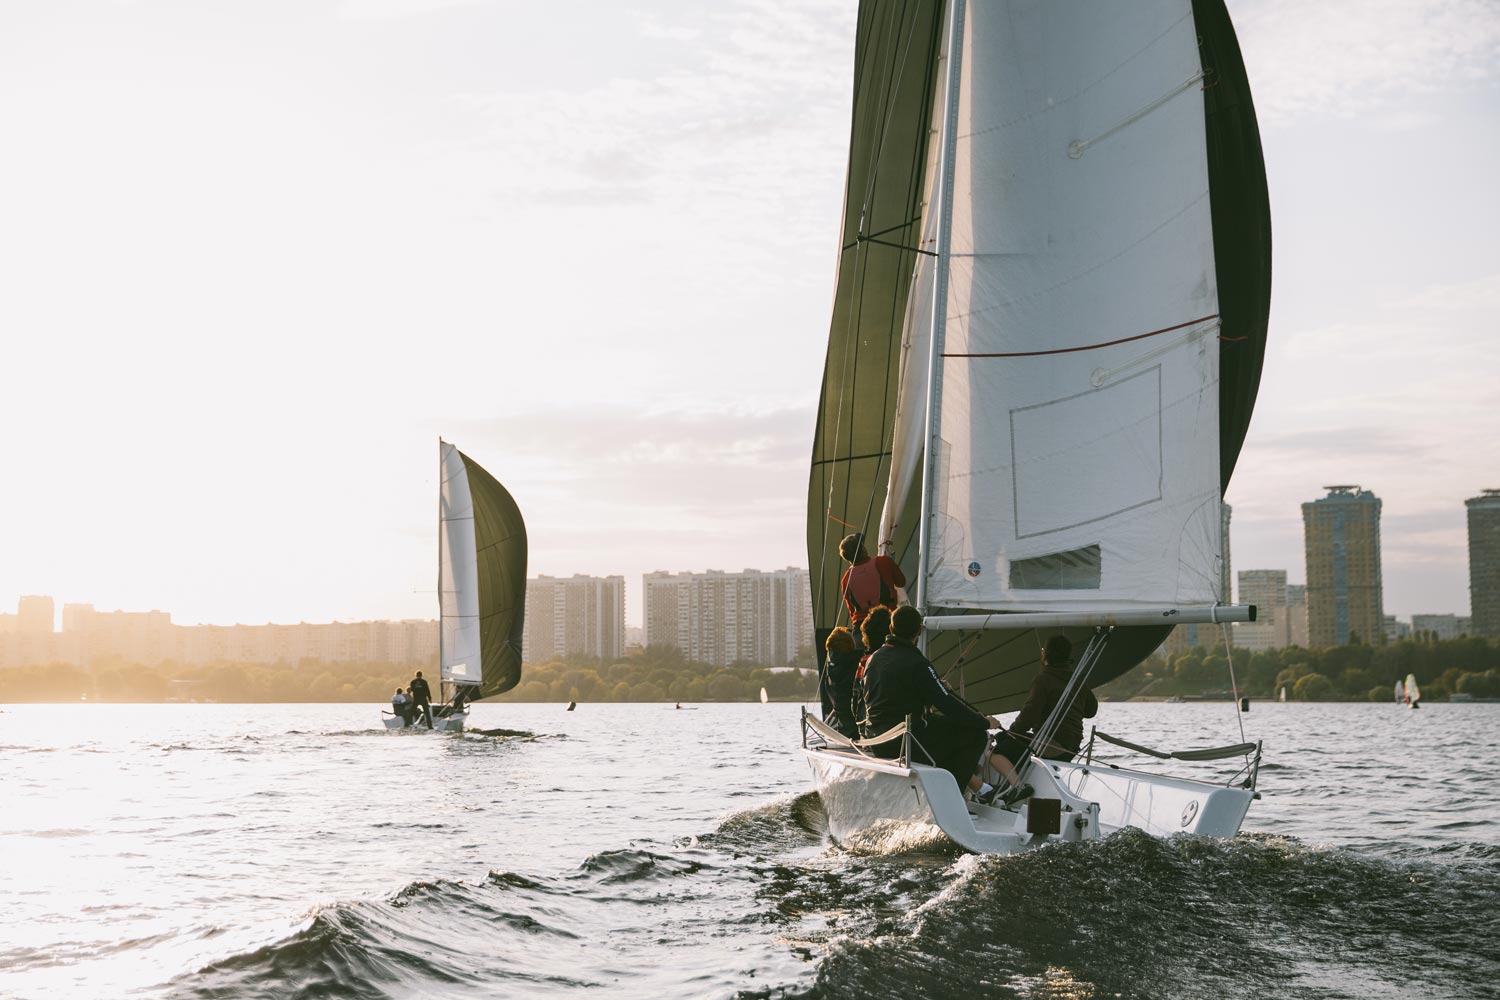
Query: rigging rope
x=1088 y=347
x=1234 y=685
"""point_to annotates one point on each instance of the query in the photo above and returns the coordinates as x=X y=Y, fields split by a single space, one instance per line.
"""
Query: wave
x=1136 y=916
x=763 y=905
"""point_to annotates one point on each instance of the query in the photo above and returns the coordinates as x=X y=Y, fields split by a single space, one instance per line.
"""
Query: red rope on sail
x=1087 y=347
x=840 y=520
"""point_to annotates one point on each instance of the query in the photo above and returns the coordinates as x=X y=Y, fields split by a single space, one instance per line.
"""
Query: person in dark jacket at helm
x=867 y=583
x=1012 y=747
x=900 y=681
x=836 y=682
x=421 y=696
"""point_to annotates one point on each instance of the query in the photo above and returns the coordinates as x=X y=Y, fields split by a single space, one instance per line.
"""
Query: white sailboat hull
x=869 y=801
x=450 y=724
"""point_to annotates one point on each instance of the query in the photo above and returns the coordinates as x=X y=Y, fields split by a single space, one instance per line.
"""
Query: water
x=195 y=851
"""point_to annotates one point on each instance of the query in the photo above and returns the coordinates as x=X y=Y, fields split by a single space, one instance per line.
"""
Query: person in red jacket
x=867 y=583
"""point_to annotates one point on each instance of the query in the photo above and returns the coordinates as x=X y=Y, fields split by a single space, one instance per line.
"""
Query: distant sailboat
x=1048 y=329
x=1413 y=693
x=1400 y=693
x=481 y=589
x=1283 y=693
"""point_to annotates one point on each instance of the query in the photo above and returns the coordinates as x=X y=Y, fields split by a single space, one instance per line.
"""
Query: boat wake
x=762 y=905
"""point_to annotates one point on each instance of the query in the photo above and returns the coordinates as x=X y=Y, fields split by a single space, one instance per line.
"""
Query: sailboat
x=1047 y=338
x=1413 y=693
x=481 y=589
x=1400 y=693
x=1282 y=699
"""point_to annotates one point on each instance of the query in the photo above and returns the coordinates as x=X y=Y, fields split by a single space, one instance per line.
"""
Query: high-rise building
x=1484 y=563
x=718 y=618
x=1344 y=597
x=574 y=615
x=34 y=615
x=1396 y=629
x=1266 y=589
x=1296 y=614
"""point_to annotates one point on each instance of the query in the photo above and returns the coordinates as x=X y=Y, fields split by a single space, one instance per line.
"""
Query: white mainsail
x=1073 y=479
x=458 y=572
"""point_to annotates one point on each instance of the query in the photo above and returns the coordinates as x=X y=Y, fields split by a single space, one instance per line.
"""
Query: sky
x=256 y=257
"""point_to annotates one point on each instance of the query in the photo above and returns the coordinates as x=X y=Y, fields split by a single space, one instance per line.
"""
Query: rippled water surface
x=639 y=851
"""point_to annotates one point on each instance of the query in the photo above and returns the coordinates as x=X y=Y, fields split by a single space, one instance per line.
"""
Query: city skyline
x=241 y=366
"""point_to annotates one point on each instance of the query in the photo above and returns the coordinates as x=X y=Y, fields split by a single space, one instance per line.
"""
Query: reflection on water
x=274 y=851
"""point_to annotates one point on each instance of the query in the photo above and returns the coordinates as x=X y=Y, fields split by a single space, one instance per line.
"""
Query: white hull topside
x=869 y=798
x=450 y=724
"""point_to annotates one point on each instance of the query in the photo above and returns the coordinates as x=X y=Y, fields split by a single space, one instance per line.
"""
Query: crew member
x=421 y=695
x=399 y=707
x=899 y=682
x=867 y=582
x=1011 y=748
x=836 y=682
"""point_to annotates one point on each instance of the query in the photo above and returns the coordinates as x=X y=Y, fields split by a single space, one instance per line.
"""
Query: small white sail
x=458 y=572
x=1413 y=693
x=1400 y=692
x=763 y=696
x=1283 y=692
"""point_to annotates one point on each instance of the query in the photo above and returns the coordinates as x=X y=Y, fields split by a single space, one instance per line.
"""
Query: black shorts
x=1012 y=747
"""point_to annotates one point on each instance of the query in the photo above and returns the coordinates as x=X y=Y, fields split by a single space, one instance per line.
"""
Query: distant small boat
x=763 y=696
x=1175 y=700
x=1413 y=693
x=572 y=705
x=1400 y=693
x=1283 y=693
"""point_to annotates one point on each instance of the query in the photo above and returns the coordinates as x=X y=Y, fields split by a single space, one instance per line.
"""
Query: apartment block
x=1342 y=540
x=719 y=618
x=1484 y=563
x=577 y=615
x=1296 y=614
x=1266 y=589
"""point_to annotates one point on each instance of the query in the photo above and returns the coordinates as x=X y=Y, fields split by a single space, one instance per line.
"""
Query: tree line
x=1356 y=672
x=654 y=674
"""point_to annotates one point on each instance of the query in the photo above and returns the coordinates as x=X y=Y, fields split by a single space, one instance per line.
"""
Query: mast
x=939 y=294
x=440 y=565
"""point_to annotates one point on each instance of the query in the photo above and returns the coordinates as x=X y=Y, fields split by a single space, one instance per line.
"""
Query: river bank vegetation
x=651 y=674
x=1466 y=667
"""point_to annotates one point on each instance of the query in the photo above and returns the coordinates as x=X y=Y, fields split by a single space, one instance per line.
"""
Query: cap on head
x=1059 y=650
x=906 y=622
x=850 y=546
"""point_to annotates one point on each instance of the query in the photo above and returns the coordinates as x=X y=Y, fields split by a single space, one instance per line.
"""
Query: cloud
x=367 y=10
x=631 y=491
x=1353 y=57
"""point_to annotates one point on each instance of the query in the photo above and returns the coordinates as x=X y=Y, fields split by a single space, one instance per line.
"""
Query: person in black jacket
x=421 y=695
x=836 y=683
x=1012 y=747
x=900 y=681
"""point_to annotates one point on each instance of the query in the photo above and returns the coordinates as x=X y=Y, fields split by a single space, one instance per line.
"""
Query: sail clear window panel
x=1076 y=569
